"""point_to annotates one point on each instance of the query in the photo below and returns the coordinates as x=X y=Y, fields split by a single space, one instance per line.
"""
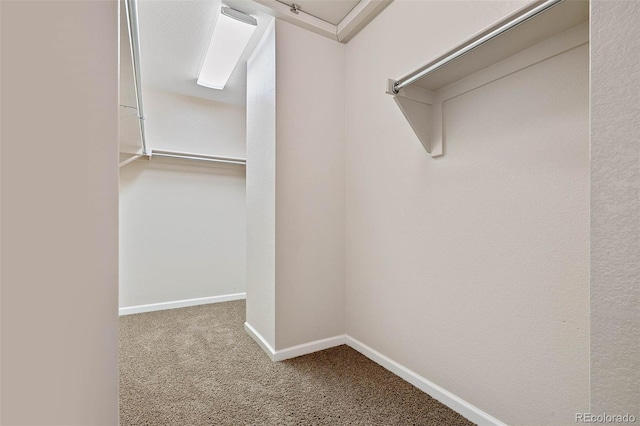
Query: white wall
x=309 y=186
x=182 y=223
x=471 y=270
x=59 y=213
x=261 y=187
x=183 y=123
x=615 y=208
x=295 y=188
x=182 y=231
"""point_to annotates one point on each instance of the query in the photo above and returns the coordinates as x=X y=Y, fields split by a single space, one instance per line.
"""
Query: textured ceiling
x=331 y=11
x=174 y=36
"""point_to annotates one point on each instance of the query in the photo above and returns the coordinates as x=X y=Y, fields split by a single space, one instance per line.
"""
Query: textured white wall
x=182 y=231
x=471 y=270
x=59 y=213
x=615 y=207
x=309 y=186
x=182 y=223
x=295 y=187
x=183 y=123
x=261 y=187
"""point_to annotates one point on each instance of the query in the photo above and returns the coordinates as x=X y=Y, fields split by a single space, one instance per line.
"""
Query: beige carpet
x=197 y=366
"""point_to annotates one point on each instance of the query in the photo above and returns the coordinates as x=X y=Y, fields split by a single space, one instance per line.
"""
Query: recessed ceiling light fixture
x=229 y=39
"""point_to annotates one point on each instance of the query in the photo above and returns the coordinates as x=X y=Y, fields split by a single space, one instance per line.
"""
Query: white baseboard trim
x=261 y=341
x=181 y=303
x=452 y=401
x=447 y=398
x=309 y=348
x=293 y=351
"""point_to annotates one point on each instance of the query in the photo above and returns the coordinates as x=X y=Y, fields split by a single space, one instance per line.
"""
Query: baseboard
x=181 y=303
x=261 y=341
x=447 y=398
x=308 y=348
x=293 y=351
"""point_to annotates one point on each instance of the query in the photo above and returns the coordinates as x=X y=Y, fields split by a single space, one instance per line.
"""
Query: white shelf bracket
x=436 y=135
x=536 y=32
x=424 y=115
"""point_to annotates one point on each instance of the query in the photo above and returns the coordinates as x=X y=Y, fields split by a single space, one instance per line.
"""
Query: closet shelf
x=197 y=157
x=131 y=7
x=126 y=158
x=126 y=112
x=534 y=33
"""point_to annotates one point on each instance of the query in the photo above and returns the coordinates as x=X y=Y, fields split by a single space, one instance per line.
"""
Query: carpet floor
x=197 y=366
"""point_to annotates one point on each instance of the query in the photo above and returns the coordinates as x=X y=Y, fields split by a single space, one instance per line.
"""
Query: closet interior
x=304 y=188
x=182 y=162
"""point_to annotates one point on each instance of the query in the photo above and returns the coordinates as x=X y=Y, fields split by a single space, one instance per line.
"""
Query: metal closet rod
x=134 y=43
x=525 y=15
x=199 y=157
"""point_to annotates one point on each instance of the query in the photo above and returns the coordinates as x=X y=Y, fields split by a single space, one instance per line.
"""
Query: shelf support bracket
x=424 y=115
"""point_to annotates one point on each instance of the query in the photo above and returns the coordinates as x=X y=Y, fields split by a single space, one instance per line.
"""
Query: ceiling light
x=229 y=39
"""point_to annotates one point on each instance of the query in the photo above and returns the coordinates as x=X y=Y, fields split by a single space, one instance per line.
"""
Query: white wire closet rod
x=134 y=43
x=197 y=157
x=488 y=35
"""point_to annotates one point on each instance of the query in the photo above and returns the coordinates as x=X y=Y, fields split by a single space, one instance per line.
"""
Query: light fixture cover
x=229 y=39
